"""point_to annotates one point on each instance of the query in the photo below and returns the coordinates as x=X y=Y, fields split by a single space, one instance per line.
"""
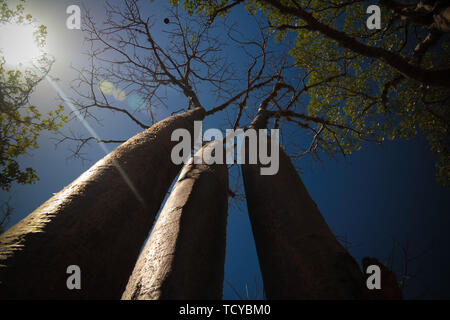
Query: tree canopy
x=21 y=122
x=389 y=83
x=234 y=71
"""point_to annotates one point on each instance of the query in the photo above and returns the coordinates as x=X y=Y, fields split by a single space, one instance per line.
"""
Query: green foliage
x=359 y=99
x=21 y=123
x=203 y=7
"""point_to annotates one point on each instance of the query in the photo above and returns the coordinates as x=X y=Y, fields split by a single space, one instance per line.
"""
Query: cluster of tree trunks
x=185 y=254
x=100 y=221
x=97 y=222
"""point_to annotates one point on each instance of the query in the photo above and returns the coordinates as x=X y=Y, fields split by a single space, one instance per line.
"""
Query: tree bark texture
x=185 y=254
x=299 y=256
x=98 y=222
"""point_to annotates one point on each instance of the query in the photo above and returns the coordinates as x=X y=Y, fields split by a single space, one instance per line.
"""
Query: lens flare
x=106 y=87
x=119 y=95
x=95 y=135
x=136 y=102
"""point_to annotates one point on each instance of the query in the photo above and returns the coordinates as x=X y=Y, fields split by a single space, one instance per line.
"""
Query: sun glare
x=18 y=45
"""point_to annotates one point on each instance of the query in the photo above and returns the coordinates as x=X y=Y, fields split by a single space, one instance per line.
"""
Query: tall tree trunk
x=185 y=254
x=299 y=256
x=98 y=222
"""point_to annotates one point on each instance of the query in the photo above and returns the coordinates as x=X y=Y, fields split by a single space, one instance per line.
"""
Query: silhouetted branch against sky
x=133 y=53
x=330 y=84
x=387 y=79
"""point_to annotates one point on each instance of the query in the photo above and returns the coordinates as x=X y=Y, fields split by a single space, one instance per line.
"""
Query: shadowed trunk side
x=98 y=222
x=299 y=256
x=185 y=254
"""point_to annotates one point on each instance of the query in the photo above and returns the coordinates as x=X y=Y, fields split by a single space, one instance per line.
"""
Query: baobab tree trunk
x=185 y=254
x=299 y=256
x=99 y=222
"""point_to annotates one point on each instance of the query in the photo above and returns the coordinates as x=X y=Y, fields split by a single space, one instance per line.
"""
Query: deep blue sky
x=374 y=196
